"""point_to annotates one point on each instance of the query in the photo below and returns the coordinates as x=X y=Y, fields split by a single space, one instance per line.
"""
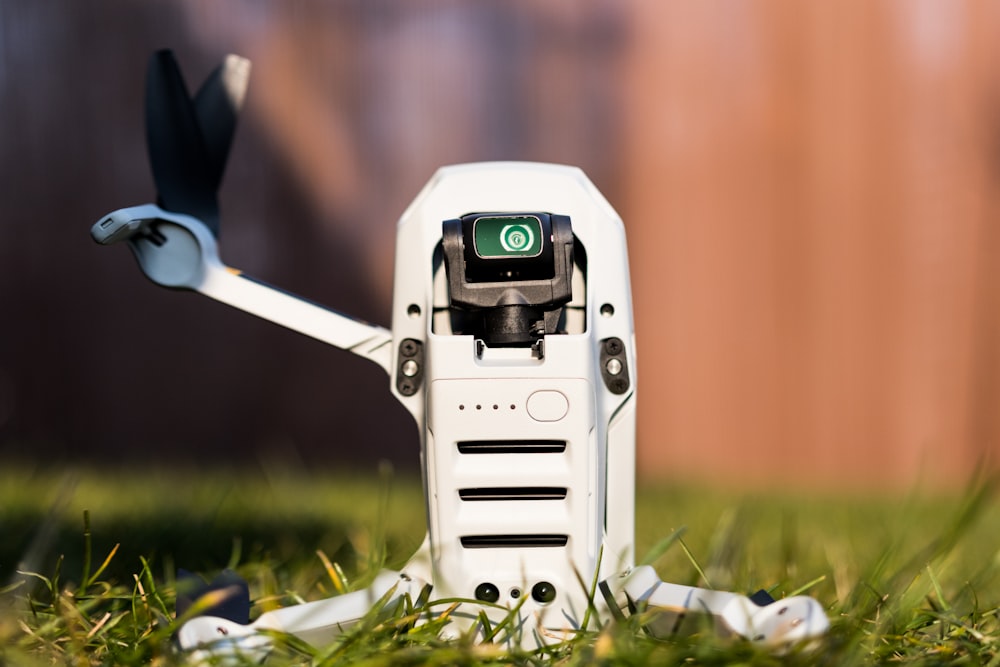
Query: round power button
x=548 y=405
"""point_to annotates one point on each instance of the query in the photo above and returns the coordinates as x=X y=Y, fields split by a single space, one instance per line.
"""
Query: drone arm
x=179 y=251
x=316 y=623
x=232 y=287
x=781 y=622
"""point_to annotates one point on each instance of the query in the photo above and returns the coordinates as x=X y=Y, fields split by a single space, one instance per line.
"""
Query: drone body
x=528 y=445
x=511 y=346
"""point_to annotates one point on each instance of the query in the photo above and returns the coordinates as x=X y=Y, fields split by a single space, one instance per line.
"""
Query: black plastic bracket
x=614 y=366
x=410 y=366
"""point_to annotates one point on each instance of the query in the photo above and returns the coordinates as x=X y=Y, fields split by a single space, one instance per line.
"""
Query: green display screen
x=512 y=236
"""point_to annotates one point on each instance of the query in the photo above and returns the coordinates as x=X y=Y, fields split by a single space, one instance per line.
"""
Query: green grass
x=87 y=561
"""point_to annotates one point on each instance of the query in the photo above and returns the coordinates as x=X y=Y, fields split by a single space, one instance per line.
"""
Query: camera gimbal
x=512 y=347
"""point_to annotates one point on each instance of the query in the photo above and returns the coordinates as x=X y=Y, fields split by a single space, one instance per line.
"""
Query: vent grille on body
x=512 y=446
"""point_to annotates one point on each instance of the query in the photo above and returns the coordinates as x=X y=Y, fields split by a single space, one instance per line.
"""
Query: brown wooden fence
x=812 y=193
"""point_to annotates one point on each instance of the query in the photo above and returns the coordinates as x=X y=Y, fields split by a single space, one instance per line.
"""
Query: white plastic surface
x=783 y=622
x=547 y=405
x=316 y=622
x=512 y=395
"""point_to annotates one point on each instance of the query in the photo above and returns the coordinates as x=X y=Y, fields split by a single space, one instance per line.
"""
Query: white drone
x=512 y=346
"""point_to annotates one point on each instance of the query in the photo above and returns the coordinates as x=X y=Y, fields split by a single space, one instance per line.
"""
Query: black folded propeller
x=189 y=138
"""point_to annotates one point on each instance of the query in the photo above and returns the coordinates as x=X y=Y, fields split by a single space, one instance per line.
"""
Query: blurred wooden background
x=811 y=193
x=813 y=189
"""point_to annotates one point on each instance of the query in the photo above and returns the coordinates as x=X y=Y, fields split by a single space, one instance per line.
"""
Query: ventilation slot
x=512 y=446
x=513 y=541
x=514 y=493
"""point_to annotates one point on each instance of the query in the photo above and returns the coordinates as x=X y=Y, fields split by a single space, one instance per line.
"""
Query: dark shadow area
x=195 y=543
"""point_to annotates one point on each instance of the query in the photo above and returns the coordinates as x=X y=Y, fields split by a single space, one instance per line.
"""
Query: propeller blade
x=182 y=169
x=217 y=105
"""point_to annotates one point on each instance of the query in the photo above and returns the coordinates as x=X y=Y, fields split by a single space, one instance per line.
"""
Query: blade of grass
x=662 y=546
x=335 y=574
x=694 y=562
x=808 y=585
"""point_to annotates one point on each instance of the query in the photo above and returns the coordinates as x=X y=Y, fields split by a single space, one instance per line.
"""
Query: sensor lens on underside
x=543 y=592
x=487 y=592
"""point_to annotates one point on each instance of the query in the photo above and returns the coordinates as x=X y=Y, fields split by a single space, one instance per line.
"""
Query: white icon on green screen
x=516 y=238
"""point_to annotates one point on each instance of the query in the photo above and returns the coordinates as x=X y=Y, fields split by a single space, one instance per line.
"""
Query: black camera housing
x=516 y=296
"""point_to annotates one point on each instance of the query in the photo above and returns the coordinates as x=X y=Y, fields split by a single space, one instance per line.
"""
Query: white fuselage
x=528 y=462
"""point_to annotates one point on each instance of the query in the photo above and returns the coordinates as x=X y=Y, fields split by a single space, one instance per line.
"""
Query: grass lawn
x=87 y=564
